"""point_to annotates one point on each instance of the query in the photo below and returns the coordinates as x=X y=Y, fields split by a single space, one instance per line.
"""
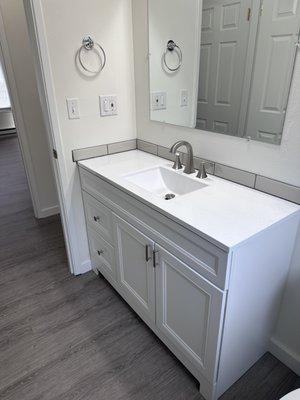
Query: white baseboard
x=285 y=355
x=48 y=212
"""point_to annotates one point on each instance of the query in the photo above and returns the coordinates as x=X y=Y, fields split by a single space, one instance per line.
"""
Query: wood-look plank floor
x=67 y=338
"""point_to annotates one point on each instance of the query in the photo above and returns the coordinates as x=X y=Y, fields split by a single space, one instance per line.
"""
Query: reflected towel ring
x=89 y=44
x=171 y=46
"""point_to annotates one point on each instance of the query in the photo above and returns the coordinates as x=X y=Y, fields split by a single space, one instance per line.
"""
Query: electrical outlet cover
x=108 y=106
x=159 y=101
x=184 y=98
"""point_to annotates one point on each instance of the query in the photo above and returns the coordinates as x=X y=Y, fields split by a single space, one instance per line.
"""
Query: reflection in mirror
x=244 y=61
x=174 y=32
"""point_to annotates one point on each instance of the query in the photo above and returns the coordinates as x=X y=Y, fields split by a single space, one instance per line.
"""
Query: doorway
x=20 y=109
x=7 y=123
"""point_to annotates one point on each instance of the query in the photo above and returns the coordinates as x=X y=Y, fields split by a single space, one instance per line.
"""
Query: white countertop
x=223 y=212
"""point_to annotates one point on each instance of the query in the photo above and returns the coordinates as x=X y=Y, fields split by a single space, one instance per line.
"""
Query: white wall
x=169 y=20
x=65 y=24
x=286 y=341
x=277 y=162
x=19 y=52
x=6 y=121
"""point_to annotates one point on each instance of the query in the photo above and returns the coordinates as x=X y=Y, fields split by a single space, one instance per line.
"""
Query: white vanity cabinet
x=184 y=306
x=136 y=275
x=188 y=311
x=214 y=307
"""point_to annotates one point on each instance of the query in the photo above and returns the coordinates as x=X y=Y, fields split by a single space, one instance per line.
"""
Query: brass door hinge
x=55 y=154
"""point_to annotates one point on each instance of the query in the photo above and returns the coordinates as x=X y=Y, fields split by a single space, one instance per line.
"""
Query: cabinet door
x=136 y=274
x=188 y=312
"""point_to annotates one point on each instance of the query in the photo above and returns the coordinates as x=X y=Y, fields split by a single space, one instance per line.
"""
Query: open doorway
x=15 y=194
x=21 y=119
x=7 y=123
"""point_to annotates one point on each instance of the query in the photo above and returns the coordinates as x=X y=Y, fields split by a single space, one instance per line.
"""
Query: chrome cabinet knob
x=97 y=219
x=100 y=252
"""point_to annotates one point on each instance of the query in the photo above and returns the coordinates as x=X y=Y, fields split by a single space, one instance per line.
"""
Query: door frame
x=8 y=72
x=46 y=88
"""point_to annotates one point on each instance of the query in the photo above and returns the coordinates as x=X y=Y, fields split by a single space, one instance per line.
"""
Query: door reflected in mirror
x=223 y=66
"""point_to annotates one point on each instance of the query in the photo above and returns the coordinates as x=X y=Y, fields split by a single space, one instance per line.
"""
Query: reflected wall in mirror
x=239 y=55
x=174 y=32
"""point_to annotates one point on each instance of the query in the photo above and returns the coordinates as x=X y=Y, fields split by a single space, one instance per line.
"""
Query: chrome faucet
x=189 y=168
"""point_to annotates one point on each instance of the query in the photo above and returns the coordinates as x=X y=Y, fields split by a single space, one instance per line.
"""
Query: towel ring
x=172 y=46
x=89 y=44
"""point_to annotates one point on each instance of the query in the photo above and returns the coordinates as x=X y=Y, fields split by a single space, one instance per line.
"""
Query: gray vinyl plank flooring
x=74 y=338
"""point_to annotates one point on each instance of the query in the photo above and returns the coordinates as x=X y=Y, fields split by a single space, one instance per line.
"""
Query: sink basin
x=165 y=183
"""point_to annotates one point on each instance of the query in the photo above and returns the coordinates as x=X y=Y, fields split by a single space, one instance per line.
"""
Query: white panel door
x=188 y=312
x=275 y=55
x=135 y=271
x=224 y=42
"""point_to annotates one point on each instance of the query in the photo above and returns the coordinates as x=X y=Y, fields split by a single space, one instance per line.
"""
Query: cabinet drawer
x=98 y=217
x=102 y=255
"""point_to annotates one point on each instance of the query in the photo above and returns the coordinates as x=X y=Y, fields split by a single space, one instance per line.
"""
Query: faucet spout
x=189 y=167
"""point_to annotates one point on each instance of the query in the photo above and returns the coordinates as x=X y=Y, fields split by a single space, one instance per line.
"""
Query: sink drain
x=169 y=196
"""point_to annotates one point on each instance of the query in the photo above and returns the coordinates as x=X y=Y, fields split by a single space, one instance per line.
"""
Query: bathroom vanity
x=205 y=269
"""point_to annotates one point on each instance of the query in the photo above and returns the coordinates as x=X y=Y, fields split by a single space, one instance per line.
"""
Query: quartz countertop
x=225 y=213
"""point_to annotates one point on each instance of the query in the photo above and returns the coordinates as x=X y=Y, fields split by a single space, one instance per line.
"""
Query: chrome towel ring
x=89 y=45
x=172 y=46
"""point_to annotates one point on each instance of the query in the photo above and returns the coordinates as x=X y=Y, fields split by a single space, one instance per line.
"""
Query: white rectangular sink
x=164 y=182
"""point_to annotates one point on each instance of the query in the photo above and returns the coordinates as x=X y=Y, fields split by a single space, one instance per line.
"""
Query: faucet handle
x=202 y=174
x=177 y=163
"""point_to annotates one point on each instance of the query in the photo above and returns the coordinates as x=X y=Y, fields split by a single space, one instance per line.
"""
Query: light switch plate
x=159 y=101
x=184 y=98
x=108 y=106
x=73 y=108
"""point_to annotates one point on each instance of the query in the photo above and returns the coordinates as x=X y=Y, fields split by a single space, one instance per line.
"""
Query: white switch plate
x=73 y=108
x=108 y=106
x=184 y=98
x=159 y=101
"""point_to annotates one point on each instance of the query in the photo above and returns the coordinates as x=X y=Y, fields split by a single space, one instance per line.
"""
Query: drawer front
x=102 y=255
x=203 y=256
x=98 y=217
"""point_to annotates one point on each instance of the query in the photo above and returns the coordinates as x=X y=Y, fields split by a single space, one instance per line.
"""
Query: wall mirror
x=223 y=66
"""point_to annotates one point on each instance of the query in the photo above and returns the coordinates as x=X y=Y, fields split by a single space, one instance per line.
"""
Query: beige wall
x=14 y=20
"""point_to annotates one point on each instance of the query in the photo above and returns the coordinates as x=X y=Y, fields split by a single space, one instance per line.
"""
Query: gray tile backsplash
x=147 y=147
x=235 y=175
x=164 y=152
x=209 y=165
x=279 y=189
x=261 y=183
x=120 y=147
x=89 y=152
